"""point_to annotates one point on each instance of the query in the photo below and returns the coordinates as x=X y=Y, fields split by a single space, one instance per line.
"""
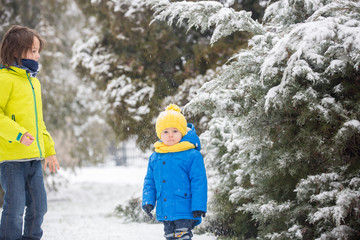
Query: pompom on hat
x=171 y=117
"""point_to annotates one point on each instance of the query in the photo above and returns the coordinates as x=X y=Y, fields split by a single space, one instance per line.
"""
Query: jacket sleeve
x=198 y=180
x=48 y=142
x=149 y=190
x=9 y=129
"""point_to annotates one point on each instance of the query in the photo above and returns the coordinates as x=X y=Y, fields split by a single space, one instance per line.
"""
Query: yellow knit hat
x=171 y=117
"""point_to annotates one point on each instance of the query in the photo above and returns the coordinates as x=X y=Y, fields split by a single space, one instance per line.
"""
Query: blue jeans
x=23 y=184
x=179 y=229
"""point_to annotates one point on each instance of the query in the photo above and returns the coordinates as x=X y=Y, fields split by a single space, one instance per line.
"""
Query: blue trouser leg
x=169 y=229
x=23 y=185
x=36 y=203
x=179 y=229
x=13 y=184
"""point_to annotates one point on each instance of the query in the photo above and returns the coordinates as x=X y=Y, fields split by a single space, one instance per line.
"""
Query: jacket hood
x=192 y=137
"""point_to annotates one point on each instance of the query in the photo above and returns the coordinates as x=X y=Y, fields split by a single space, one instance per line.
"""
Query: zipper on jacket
x=13 y=117
x=36 y=115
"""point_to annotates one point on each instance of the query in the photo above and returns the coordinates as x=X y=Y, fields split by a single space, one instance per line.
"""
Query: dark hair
x=18 y=40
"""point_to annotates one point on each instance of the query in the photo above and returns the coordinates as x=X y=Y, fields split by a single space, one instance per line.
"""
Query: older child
x=176 y=178
x=24 y=141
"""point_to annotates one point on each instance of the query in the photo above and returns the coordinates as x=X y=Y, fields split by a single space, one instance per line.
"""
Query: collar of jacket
x=17 y=70
x=32 y=73
x=160 y=147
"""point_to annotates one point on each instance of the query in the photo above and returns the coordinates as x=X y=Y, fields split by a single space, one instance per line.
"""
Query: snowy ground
x=84 y=209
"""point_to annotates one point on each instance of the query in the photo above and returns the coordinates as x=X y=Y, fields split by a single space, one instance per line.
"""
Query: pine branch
x=335 y=8
x=204 y=15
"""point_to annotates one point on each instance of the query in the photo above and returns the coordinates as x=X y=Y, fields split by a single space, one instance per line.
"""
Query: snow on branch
x=335 y=198
x=307 y=45
x=88 y=54
x=124 y=91
x=205 y=14
x=266 y=211
x=348 y=130
x=128 y=7
x=335 y=7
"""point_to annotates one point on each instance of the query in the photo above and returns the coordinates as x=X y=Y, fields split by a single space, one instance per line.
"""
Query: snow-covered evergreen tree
x=135 y=65
x=283 y=142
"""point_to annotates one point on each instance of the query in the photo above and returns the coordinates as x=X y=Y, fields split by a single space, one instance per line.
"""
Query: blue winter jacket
x=177 y=182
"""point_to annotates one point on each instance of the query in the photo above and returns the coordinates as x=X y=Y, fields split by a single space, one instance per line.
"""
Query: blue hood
x=192 y=137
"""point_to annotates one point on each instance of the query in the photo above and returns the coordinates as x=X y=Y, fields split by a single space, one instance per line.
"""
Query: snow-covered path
x=84 y=209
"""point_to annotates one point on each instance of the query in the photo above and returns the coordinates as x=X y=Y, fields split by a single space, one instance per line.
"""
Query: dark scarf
x=31 y=66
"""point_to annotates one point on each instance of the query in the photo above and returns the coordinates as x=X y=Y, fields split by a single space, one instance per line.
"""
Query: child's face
x=33 y=53
x=170 y=136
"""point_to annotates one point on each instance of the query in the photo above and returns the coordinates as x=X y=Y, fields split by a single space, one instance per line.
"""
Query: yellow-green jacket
x=21 y=112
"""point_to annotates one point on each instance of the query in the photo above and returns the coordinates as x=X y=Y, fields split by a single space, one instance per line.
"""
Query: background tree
x=68 y=115
x=282 y=145
x=136 y=65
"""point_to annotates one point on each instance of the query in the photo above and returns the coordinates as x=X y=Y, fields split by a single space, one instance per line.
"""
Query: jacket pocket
x=182 y=202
